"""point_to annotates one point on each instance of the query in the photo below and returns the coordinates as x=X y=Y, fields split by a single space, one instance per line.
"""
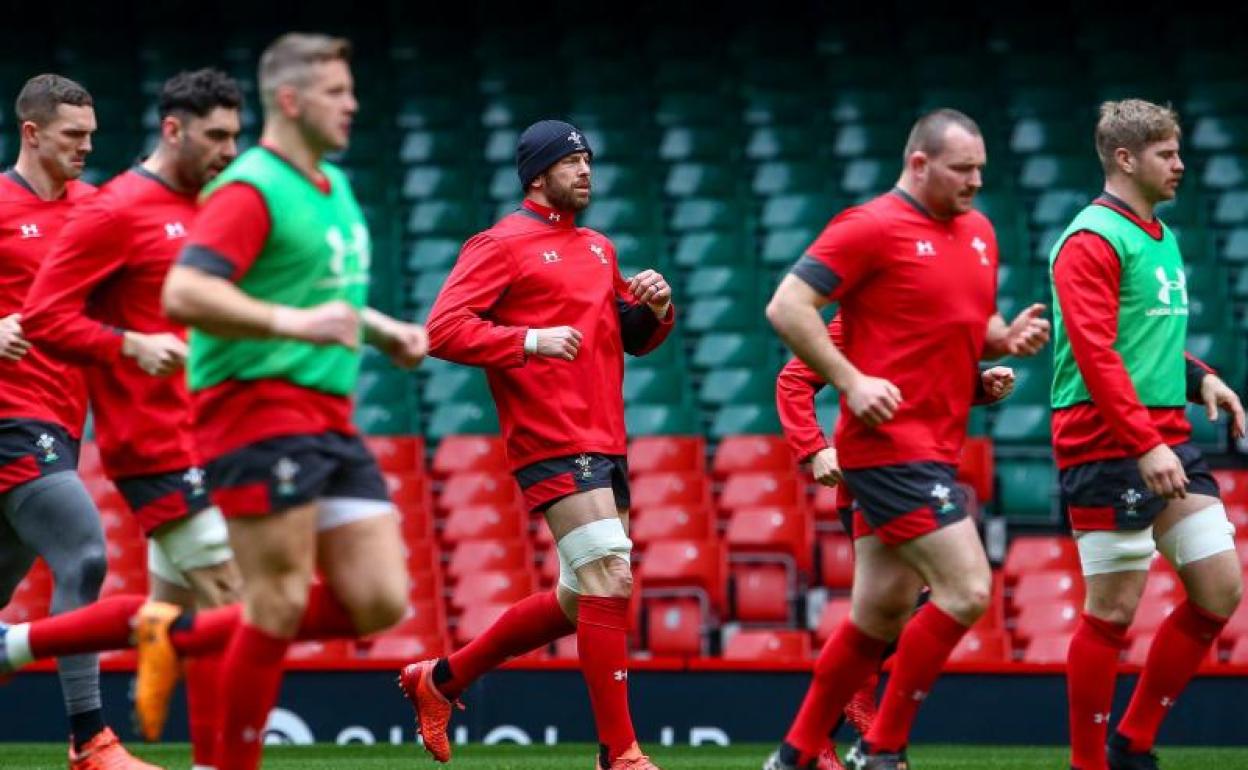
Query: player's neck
x=907 y=185
x=289 y=142
x=1123 y=190
x=161 y=165
x=47 y=185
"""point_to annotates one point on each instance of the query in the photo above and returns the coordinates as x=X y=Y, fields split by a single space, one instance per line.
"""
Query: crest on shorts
x=285 y=471
x=941 y=494
x=583 y=462
x=194 y=478
x=1131 y=498
x=46 y=444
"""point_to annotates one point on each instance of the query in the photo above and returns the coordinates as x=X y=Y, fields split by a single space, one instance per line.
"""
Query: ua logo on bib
x=1168 y=286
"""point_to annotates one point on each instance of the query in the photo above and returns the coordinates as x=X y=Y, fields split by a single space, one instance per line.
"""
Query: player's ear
x=286 y=97
x=171 y=129
x=30 y=133
x=1126 y=161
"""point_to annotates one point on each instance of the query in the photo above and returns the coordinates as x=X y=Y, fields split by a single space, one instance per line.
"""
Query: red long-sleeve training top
x=535 y=269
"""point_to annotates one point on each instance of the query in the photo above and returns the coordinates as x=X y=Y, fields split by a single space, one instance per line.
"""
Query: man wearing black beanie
x=539 y=303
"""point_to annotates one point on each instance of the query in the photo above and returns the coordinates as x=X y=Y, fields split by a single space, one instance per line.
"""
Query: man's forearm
x=215 y=305
x=996 y=339
x=803 y=330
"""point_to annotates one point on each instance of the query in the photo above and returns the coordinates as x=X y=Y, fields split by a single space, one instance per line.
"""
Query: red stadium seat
x=1031 y=554
x=836 y=561
x=775 y=530
x=478 y=489
x=761 y=593
x=404 y=648
x=416 y=522
x=130 y=581
x=470 y=454
x=748 y=490
x=328 y=651
x=491 y=587
x=745 y=454
x=674 y=627
x=977 y=467
x=1049 y=618
x=688 y=565
x=485 y=522
x=422 y=555
x=667 y=454
x=1049 y=648
x=398 y=454
x=1047 y=585
x=475 y=620
x=671 y=522
x=1237 y=627
x=1163 y=585
x=410 y=493
x=1233 y=484
x=834 y=613
x=1150 y=615
x=549 y=572
x=1137 y=653
x=824 y=504
x=565 y=648
x=761 y=645
x=978 y=646
x=993 y=618
x=1239 y=652
x=1238 y=515
x=478 y=555
x=658 y=489
x=425 y=585
x=424 y=618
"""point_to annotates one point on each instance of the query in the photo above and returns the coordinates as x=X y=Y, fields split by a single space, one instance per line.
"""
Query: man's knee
x=598 y=554
x=967 y=598
x=83 y=573
x=381 y=609
x=1113 y=607
x=278 y=606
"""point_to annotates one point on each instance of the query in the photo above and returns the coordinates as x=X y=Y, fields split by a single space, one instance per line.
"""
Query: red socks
x=602 y=639
x=254 y=658
x=923 y=648
x=202 y=707
x=1091 y=672
x=529 y=624
x=847 y=659
x=1181 y=644
x=209 y=631
x=104 y=625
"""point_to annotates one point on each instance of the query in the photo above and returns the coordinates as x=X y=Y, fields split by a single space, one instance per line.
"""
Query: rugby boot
x=105 y=752
x=786 y=758
x=631 y=759
x=433 y=710
x=158 y=668
x=861 y=757
x=1121 y=757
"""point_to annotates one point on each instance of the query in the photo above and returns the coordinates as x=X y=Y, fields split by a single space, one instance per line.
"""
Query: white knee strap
x=198 y=541
x=1198 y=536
x=588 y=543
x=1102 y=551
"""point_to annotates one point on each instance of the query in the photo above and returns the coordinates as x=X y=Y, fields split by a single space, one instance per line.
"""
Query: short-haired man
x=1132 y=483
x=914 y=271
x=46 y=510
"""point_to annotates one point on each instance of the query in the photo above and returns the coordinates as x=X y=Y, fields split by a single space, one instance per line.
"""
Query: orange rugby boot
x=158 y=667
x=631 y=759
x=433 y=710
x=105 y=752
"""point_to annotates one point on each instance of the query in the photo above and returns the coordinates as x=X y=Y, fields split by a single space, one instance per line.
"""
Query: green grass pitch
x=23 y=756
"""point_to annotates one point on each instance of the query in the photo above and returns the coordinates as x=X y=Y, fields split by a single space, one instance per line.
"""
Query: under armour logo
x=575 y=138
x=924 y=249
x=1131 y=498
x=919 y=696
x=553 y=216
x=31 y=231
x=620 y=675
x=598 y=252
x=550 y=256
x=174 y=230
x=1167 y=702
x=1168 y=286
x=982 y=248
x=1101 y=718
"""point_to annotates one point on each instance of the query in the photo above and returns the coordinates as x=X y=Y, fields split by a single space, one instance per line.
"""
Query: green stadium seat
x=1044 y=172
x=1022 y=281
x=1187 y=210
x=879 y=140
x=425 y=287
x=461 y=418
x=443 y=218
x=780 y=177
x=1000 y=206
x=432 y=254
x=700 y=249
x=1052 y=100
x=504 y=185
x=1058 y=207
x=784 y=247
x=636 y=252
x=654 y=385
x=723 y=387
x=510 y=74
x=379 y=420
x=689 y=180
x=619 y=214
x=860 y=71
x=972 y=100
x=718 y=350
x=1033 y=379
x=868 y=176
x=1028 y=491
x=500 y=145
x=594 y=109
x=773 y=143
x=795 y=210
x=1025 y=424
x=1223 y=172
x=420 y=182
x=619 y=180
x=1031 y=135
x=767 y=107
x=680 y=75
x=1209 y=311
x=1209 y=436
x=661 y=420
x=827 y=410
x=749 y=419
x=432 y=112
x=720 y=314
x=516 y=110
x=385 y=387
x=735 y=282
x=1231 y=208
x=685 y=143
x=868 y=105
x=697 y=108
x=455 y=383
x=705 y=214
x=1206 y=96
x=1220 y=134
x=432 y=147
x=620 y=145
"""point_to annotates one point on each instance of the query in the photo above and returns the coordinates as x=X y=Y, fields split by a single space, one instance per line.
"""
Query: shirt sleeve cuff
x=207 y=261
x=820 y=277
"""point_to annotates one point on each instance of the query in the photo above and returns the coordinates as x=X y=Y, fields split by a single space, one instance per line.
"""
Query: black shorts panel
x=546 y=482
x=1112 y=495
x=30 y=449
x=901 y=502
x=164 y=497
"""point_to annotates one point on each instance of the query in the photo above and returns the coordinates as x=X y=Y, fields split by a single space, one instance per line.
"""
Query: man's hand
x=1215 y=393
x=558 y=342
x=824 y=467
x=650 y=288
x=160 y=355
x=333 y=323
x=13 y=346
x=998 y=382
x=872 y=399
x=405 y=343
x=1028 y=333
x=1163 y=472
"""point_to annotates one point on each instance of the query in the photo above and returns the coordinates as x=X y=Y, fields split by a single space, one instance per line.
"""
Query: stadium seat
x=660 y=419
x=762 y=593
x=475 y=620
x=1024 y=424
x=1239 y=652
x=683 y=566
x=719 y=350
x=836 y=561
x=424 y=585
x=654 y=385
x=478 y=489
x=1150 y=615
x=1237 y=626
x=1047 y=585
x=808 y=211
x=1040 y=618
x=667 y=454
x=1035 y=553
x=492 y=586
x=459 y=418
x=329 y=651
x=722 y=387
x=737 y=454
x=660 y=489
x=1049 y=648
x=702 y=249
x=835 y=611
x=674 y=627
x=480 y=555
x=781 y=177
x=770 y=646
x=1137 y=651
x=409 y=491
x=982 y=647
x=466 y=454
x=1028 y=490
x=676 y=522
x=772 y=530
x=752 y=489
x=484 y=522
x=403 y=648
x=398 y=453
x=691 y=180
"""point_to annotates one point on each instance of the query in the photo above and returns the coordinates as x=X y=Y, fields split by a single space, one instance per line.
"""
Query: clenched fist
x=12 y=344
x=558 y=342
x=333 y=323
x=157 y=354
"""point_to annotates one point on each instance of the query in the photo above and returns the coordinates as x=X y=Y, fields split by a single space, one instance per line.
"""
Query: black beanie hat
x=543 y=144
